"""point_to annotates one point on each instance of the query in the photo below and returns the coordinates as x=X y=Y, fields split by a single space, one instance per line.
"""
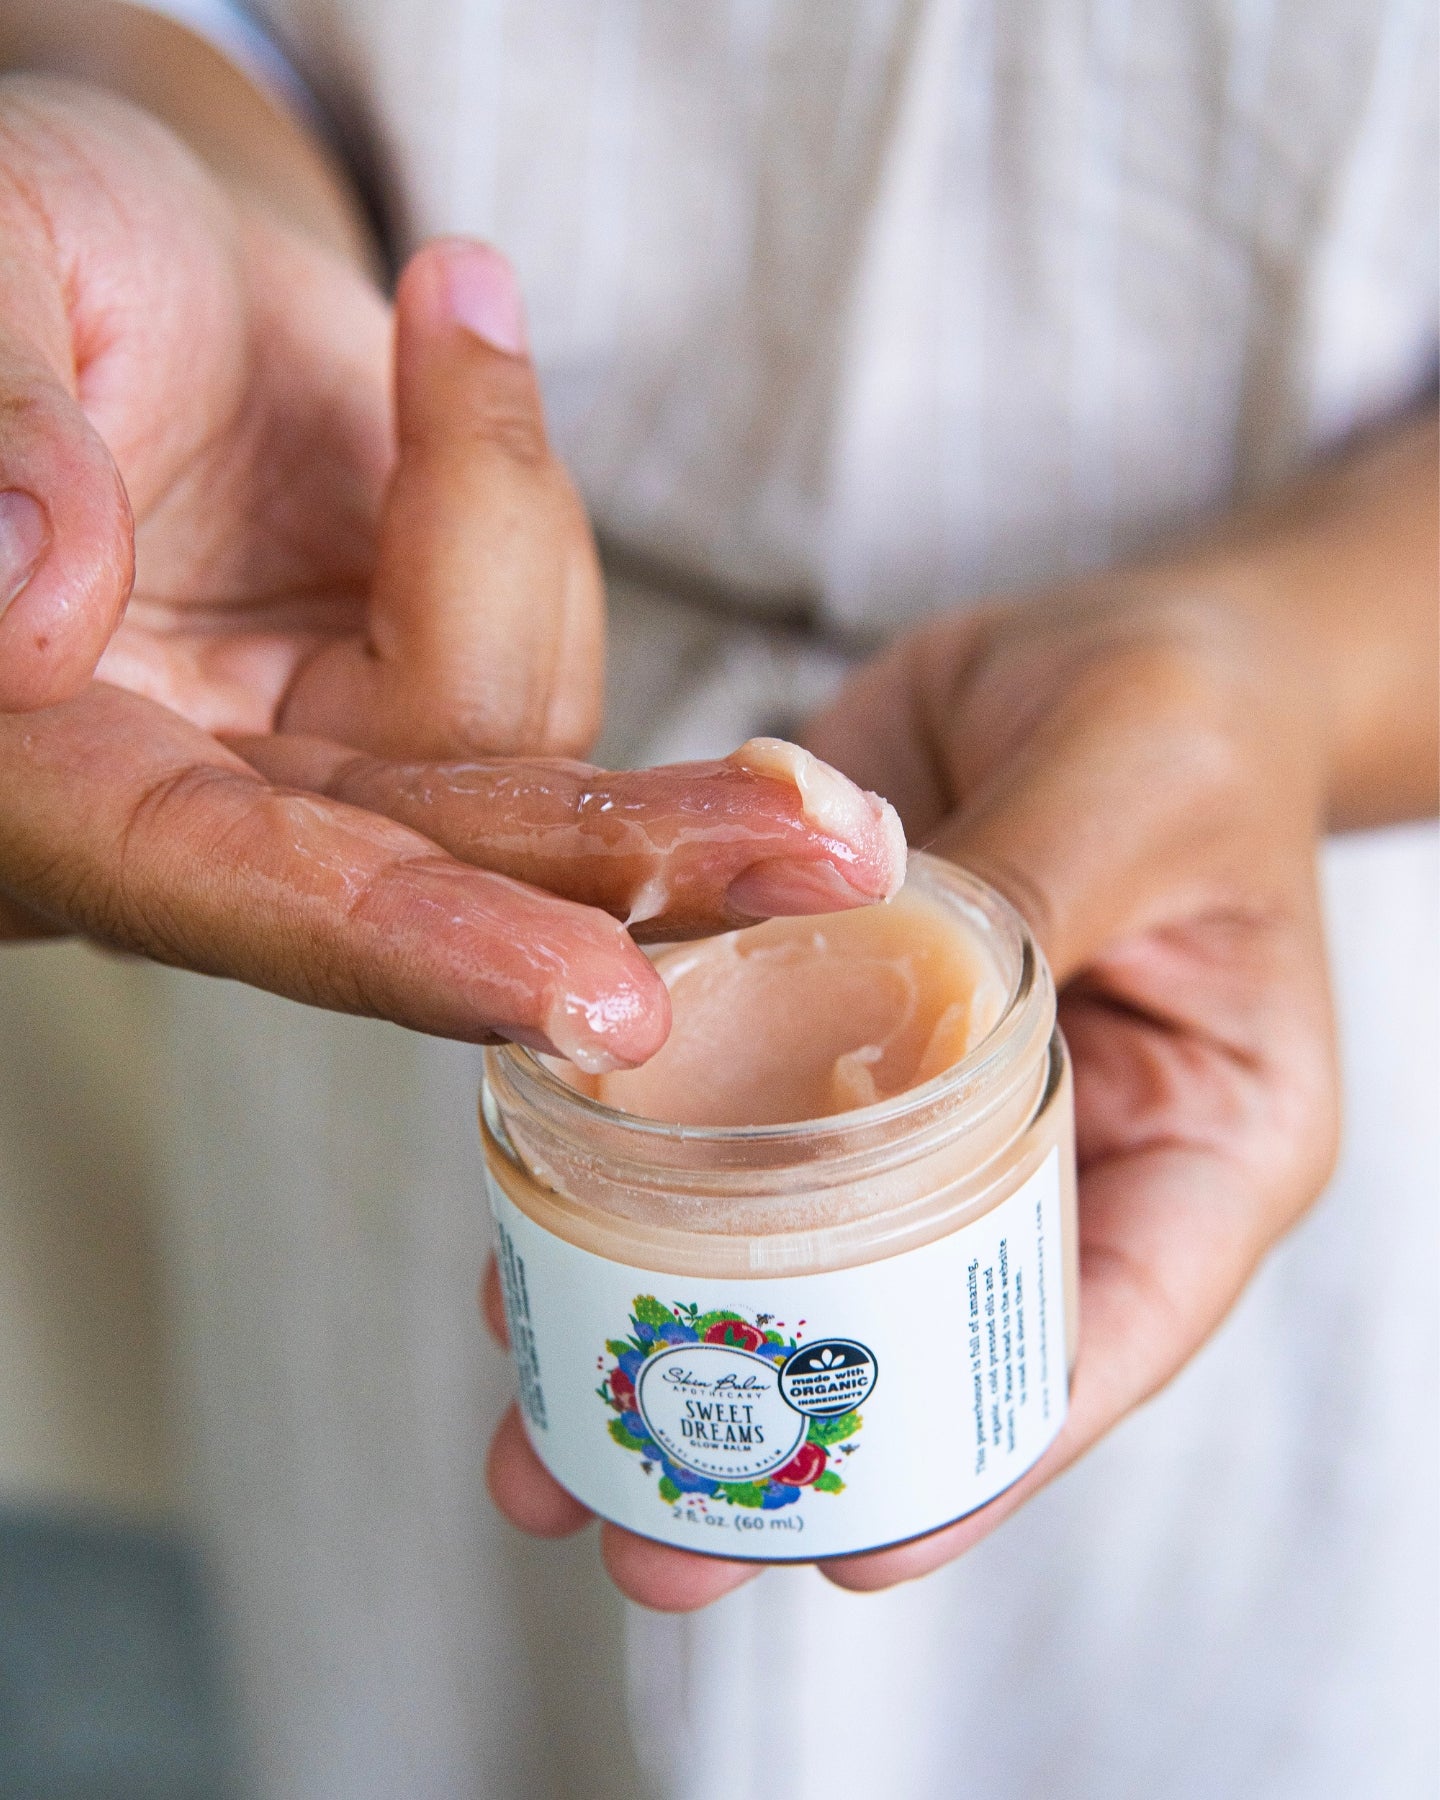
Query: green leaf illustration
x=834 y=1431
x=743 y=1493
x=626 y=1439
x=618 y=1346
x=828 y=1482
x=706 y=1320
x=649 y=1311
x=668 y=1490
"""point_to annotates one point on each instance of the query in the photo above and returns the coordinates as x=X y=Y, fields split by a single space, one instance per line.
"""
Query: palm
x=412 y=575
x=255 y=460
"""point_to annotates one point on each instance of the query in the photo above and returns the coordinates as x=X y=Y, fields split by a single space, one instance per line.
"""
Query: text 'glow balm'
x=803 y=1284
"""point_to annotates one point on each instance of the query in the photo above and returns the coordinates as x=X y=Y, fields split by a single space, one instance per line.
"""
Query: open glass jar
x=792 y=1341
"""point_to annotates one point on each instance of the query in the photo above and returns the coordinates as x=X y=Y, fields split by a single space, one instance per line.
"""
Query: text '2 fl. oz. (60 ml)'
x=804 y=1284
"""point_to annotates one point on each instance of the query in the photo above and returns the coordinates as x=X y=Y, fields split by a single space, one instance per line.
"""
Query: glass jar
x=793 y=1341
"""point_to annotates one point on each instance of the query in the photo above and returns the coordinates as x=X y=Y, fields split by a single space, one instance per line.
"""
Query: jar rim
x=1028 y=1011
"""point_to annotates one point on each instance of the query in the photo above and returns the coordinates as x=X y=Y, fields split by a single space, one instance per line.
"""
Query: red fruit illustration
x=802 y=1468
x=736 y=1333
x=622 y=1390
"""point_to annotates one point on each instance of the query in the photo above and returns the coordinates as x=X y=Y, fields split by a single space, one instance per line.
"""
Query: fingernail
x=779 y=887
x=481 y=294
x=24 y=533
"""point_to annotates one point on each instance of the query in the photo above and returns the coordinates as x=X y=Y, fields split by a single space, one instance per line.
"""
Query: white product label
x=784 y=1418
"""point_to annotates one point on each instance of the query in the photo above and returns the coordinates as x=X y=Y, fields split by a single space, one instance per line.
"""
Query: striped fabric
x=890 y=303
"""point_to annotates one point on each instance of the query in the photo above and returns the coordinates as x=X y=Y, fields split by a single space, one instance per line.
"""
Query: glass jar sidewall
x=680 y=1249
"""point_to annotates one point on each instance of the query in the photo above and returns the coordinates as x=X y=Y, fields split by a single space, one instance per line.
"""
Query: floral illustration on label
x=725 y=1407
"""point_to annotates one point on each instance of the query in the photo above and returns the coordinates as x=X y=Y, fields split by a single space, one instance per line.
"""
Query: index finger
x=671 y=852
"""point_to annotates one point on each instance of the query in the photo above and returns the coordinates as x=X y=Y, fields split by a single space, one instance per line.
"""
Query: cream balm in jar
x=804 y=1284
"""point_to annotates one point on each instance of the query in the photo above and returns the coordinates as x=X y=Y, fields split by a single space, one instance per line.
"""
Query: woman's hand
x=194 y=391
x=197 y=392
x=1141 y=772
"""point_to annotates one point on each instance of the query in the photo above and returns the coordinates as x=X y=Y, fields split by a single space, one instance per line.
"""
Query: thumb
x=67 y=547
x=486 y=617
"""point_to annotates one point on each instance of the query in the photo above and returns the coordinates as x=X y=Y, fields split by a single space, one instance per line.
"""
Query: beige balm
x=805 y=1283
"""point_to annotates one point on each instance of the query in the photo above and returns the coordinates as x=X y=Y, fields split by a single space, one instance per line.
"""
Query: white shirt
x=888 y=305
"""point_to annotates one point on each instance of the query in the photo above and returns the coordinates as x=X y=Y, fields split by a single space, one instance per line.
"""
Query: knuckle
x=501 y=410
x=1309 y=1130
x=142 y=905
x=516 y=433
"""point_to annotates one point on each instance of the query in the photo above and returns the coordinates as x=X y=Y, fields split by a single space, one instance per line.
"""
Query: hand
x=172 y=353
x=1141 y=773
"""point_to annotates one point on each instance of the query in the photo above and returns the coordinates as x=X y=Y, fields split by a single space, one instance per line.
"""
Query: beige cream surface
x=802 y=1018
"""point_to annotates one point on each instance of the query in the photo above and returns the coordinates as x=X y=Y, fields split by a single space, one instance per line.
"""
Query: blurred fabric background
x=109 y=1676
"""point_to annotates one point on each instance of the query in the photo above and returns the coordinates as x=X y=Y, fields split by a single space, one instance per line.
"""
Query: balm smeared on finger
x=834 y=805
x=673 y=852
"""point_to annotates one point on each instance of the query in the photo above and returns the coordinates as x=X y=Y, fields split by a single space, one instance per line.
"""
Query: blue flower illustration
x=635 y=1425
x=686 y=1480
